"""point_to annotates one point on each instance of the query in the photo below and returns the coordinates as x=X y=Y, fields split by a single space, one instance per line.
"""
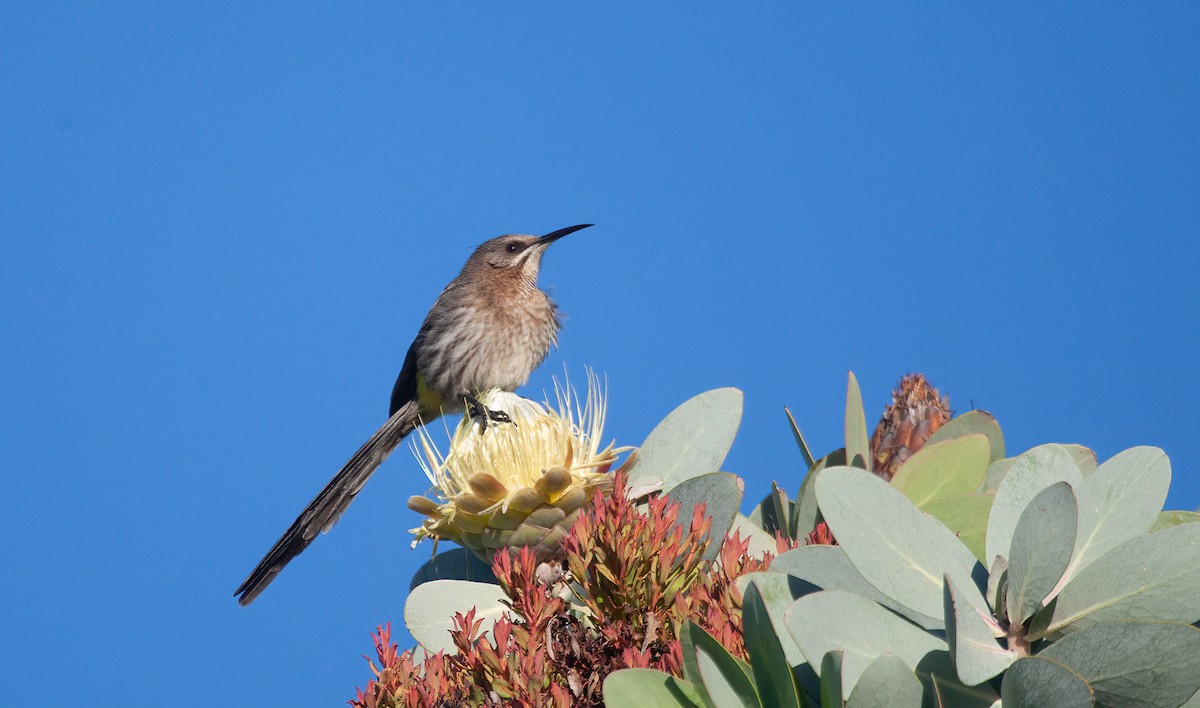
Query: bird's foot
x=483 y=414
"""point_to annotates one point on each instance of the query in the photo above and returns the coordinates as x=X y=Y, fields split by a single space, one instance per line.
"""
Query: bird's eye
x=513 y=248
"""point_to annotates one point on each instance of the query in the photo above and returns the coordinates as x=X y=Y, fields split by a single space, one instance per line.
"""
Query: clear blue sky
x=221 y=225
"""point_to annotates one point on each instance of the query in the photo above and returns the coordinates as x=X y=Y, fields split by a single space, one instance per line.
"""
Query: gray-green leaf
x=430 y=608
x=1151 y=577
x=1133 y=664
x=1041 y=549
x=692 y=440
x=828 y=568
x=894 y=546
x=858 y=452
x=772 y=673
x=972 y=638
x=971 y=423
x=950 y=468
x=1035 y=681
x=886 y=683
x=721 y=494
x=635 y=688
x=1030 y=473
x=1119 y=501
x=834 y=620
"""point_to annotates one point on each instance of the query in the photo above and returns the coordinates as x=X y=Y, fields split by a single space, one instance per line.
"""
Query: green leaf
x=894 y=546
x=1167 y=519
x=692 y=440
x=1151 y=577
x=828 y=568
x=942 y=687
x=691 y=669
x=805 y=454
x=996 y=472
x=966 y=516
x=455 y=564
x=772 y=672
x=1131 y=664
x=725 y=681
x=1035 y=681
x=720 y=492
x=1030 y=474
x=1085 y=458
x=761 y=542
x=886 y=683
x=778 y=591
x=430 y=608
x=774 y=513
x=972 y=639
x=997 y=580
x=831 y=680
x=950 y=468
x=834 y=620
x=808 y=514
x=646 y=687
x=972 y=423
x=1119 y=501
x=858 y=450
x=1041 y=549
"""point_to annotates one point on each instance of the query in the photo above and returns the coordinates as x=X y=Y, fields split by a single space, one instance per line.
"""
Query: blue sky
x=221 y=225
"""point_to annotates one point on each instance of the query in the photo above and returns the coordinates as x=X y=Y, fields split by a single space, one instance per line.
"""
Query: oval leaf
x=1030 y=473
x=1041 y=549
x=972 y=423
x=828 y=568
x=1167 y=519
x=692 y=440
x=455 y=564
x=1132 y=664
x=949 y=468
x=967 y=516
x=635 y=688
x=1152 y=577
x=430 y=608
x=1036 y=681
x=721 y=494
x=833 y=620
x=894 y=546
x=972 y=638
x=886 y=683
x=1119 y=501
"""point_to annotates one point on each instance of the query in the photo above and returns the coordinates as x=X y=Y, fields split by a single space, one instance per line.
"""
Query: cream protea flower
x=521 y=483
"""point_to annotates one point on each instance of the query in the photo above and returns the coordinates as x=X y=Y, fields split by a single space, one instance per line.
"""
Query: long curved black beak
x=556 y=235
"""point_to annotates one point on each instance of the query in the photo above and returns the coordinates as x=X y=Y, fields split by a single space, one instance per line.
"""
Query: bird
x=490 y=328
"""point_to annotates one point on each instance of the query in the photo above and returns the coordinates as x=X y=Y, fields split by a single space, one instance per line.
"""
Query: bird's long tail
x=324 y=511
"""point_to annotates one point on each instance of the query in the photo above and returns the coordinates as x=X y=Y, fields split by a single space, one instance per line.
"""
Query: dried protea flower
x=519 y=484
x=916 y=412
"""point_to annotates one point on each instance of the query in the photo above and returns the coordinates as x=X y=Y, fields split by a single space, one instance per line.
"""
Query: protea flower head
x=916 y=412
x=521 y=483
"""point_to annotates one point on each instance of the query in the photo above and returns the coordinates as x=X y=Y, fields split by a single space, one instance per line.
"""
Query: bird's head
x=516 y=253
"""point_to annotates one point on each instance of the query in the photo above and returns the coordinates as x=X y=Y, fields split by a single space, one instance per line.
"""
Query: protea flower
x=916 y=412
x=521 y=483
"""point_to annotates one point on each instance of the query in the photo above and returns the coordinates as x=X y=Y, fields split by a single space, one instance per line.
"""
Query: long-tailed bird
x=490 y=328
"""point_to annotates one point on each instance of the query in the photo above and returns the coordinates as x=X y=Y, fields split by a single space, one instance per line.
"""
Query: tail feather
x=323 y=512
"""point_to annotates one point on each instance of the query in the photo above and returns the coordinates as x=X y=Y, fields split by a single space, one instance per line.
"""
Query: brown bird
x=490 y=328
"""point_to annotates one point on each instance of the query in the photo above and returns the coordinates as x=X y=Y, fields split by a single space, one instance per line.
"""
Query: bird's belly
x=499 y=352
x=505 y=362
